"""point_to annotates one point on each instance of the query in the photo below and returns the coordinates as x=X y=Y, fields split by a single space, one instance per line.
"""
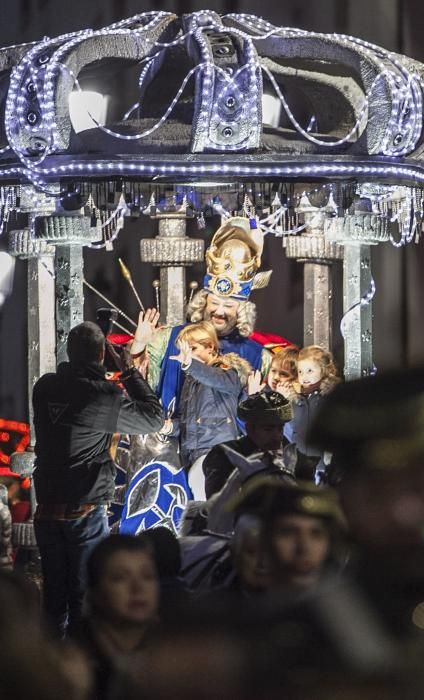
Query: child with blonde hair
x=213 y=386
x=316 y=376
x=315 y=366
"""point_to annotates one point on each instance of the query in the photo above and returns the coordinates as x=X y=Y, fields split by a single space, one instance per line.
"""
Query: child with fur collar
x=213 y=386
x=316 y=376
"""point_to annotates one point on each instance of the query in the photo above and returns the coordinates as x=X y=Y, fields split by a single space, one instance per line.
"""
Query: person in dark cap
x=264 y=415
x=302 y=533
x=302 y=528
x=375 y=429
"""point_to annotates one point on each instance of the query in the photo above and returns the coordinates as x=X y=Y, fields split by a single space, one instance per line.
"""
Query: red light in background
x=16 y=435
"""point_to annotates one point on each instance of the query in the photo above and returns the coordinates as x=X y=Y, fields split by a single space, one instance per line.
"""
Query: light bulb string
x=365 y=300
x=307 y=134
x=147 y=132
x=72 y=39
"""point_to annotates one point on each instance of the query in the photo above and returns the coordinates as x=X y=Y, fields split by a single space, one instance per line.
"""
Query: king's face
x=222 y=313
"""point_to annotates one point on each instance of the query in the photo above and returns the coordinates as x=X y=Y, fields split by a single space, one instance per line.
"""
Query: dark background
x=398 y=326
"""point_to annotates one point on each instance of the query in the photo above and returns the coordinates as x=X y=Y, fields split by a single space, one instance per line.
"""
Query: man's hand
x=185 y=355
x=146 y=328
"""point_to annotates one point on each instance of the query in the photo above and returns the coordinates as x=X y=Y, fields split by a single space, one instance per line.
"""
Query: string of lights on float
x=232 y=86
x=70 y=40
x=150 y=168
x=42 y=82
x=246 y=100
x=57 y=65
x=44 y=62
x=147 y=132
x=306 y=132
x=9 y=203
x=403 y=205
x=365 y=300
x=404 y=94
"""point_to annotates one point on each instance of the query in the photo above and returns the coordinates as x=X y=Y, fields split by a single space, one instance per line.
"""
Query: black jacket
x=217 y=466
x=305 y=408
x=76 y=412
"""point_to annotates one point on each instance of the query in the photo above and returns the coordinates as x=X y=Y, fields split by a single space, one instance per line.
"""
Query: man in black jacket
x=76 y=412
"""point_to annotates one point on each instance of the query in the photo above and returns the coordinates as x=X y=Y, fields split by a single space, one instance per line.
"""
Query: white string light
x=306 y=132
x=147 y=132
x=408 y=94
x=43 y=85
x=151 y=168
x=365 y=300
x=381 y=57
x=403 y=85
x=248 y=210
x=6 y=201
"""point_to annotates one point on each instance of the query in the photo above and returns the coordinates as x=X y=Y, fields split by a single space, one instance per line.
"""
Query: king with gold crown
x=232 y=263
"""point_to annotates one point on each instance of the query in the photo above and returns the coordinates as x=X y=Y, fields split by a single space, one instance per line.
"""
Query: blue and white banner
x=156 y=496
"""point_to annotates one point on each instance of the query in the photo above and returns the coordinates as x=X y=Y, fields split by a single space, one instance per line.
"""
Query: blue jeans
x=64 y=548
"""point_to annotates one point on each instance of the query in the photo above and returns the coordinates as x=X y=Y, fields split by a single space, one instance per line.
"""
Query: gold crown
x=233 y=259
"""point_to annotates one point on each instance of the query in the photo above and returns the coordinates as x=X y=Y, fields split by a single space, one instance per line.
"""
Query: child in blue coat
x=213 y=387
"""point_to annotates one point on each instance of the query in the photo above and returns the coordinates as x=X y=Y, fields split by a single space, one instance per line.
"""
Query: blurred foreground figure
x=167 y=556
x=251 y=565
x=302 y=526
x=315 y=620
x=298 y=532
x=375 y=429
x=30 y=665
x=123 y=603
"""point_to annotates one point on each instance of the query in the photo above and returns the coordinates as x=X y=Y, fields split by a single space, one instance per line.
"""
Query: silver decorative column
x=358 y=232
x=39 y=255
x=52 y=246
x=40 y=307
x=173 y=251
x=317 y=255
x=69 y=233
